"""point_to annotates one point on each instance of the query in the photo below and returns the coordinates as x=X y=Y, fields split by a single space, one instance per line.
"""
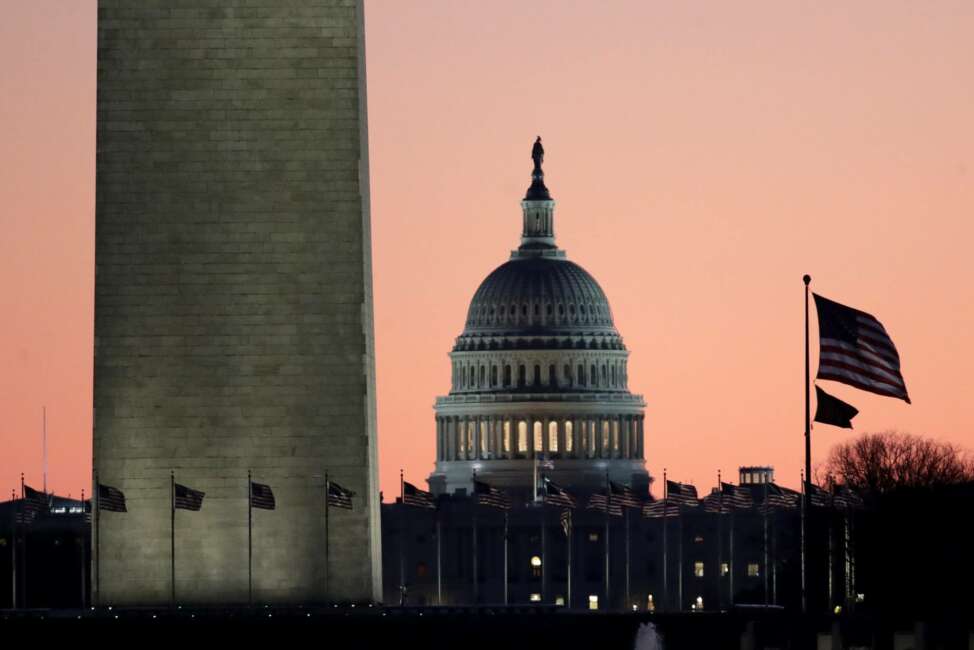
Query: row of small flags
x=679 y=495
x=111 y=499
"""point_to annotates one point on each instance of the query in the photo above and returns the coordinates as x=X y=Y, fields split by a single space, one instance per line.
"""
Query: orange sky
x=703 y=156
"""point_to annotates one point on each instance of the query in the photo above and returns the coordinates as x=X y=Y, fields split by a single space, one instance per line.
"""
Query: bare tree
x=879 y=462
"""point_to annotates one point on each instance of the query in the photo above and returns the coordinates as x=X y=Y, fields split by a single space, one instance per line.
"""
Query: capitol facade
x=539 y=373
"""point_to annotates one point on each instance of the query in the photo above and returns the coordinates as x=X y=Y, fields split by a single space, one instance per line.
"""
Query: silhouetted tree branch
x=879 y=462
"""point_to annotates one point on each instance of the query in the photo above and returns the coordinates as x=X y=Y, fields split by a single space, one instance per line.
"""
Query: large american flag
x=779 y=497
x=187 y=498
x=856 y=350
x=623 y=494
x=413 y=496
x=111 y=499
x=491 y=496
x=736 y=496
x=682 y=494
x=598 y=502
x=261 y=496
x=660 y=509
x=339 y=497
x=555 y=495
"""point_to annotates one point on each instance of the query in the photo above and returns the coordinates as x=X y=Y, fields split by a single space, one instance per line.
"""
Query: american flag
x=555 y=495
x=566 y=522
x=659 y=509
x=491 y=496
x=35 y=503
x=819 y=497
x=682 y=494
x=623 y=494
x=111 y=499
x=187 y=498
x=339 y=497
x=856 y=350
x=778 y=497
x=261 y=496
x=846 y=497
x=739 y=497
x=598 y=502
x=716 y=503
x=413 y=496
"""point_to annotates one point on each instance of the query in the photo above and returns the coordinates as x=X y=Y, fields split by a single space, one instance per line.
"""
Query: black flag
x=187 y=498
x=832 y=410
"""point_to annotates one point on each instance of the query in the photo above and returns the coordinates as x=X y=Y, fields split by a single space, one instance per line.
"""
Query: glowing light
x=535 y=561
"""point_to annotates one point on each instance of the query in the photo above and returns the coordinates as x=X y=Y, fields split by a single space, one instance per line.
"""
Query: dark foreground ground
x=483 y=627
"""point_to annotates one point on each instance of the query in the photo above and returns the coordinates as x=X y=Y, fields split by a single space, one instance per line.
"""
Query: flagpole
x=44 y=411
x=24 y=558
x=720 y=539
x=402 y=539
x=172 y=538
x=544 y=556
x=679 y=555
x=571 y=534
x=439 y=558
x=766 y=576
x=327 y=540
x=608 y=566
x=731 y=558
x=774 y=563
x=13 y=548
x=666 y=587
x=476 y=587
x=506 y=572
x=84 y=557
x=96 y=596
x=628 y=602
x=808 y=455
x=250 y=538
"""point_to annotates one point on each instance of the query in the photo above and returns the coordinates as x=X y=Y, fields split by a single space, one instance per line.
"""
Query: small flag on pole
x=566 y=522
x=555 y=495
x=339 y=497
x=682 y=494
x=779 y=497
x=491 y=496
x=856 y=350
x=715 y=503
x=413 y=496
x=111 y=499
x=188 y=498
x=832 y=410
x=624 y=495
x=261 y=496
x=736 y=496
x=598 y=502
x=659 y=509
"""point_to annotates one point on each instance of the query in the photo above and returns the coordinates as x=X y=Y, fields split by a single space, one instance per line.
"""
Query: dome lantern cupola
x=538 y=235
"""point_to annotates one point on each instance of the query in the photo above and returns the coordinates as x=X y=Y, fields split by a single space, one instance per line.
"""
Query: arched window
x=592 y=446
x=605 y=439
x=605 y=375
x=522 y=438
x=552 y=376
x=537 y=375
x=569 y=438
x=507 y=375
x=538 y=442
x=471 y=449
x=484 y=438
x=568 y=374
x=522 y=378
x=616 y=448
x=581 y=375
x=613 y=376
x=553 y=436
x=595 y=375
x=507 y=438
x=493 y=376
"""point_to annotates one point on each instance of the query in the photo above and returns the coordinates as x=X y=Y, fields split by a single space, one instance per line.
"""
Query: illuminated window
x=535 y=598
x=615 y=437
x=699 y=604
x=537 y=438
x=507 y=437
x=698 y=569
x=698 y=539
x=650 y=604
x=605 y=438
x=753 y=570
x=593 y=537
x=471 y=449
x=522 y=437
x=536 y=566
x=592 y=447
x=724 y=568
x=569 y=437
x=560 y=600
x=593 y=601
x=483 y=439
x=553 y=437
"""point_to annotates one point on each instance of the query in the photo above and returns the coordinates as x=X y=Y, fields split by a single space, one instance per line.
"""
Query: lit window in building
x=560 y=600
x=605 y=438
x=724 y=568
x=698 y=569
x=592 y=447
x=537 y=438
x=507 y=437
x=753 y=570
x=536 y=566
x=593 y=537
x=553 y=437
x=535 y=598
x=484 y=437
x=698 y=539
x=699 y=604
x=471 y=449
x=650 y=604
x=615 y=437
x=593 y=601
x=522 y=437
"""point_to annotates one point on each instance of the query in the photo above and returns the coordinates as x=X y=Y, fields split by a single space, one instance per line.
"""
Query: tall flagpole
x=45 y=449
x=506 y=572
x=327 y=540
x=766 y=570
x=666 y=586
x=730 y=595
x=628 y=563
x=808 y=456
x=544 y=555
x=476 y=507
x=571 y=534
x=23 y=558
x=13 y=548
x=84 y=559
x=402 y=539
x=608 y=566
x=250 y=539
x=439 y=558
x=720 y=541
x=96 y=600
x=679 y=556
x=172 y=538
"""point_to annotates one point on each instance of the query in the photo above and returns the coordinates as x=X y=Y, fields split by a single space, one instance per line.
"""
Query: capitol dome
x=539 y=373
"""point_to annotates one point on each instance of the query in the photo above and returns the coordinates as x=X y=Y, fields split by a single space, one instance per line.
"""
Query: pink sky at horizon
x=704 y=156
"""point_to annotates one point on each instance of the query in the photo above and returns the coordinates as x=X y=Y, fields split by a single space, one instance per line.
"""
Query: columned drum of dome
x=539 y=372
